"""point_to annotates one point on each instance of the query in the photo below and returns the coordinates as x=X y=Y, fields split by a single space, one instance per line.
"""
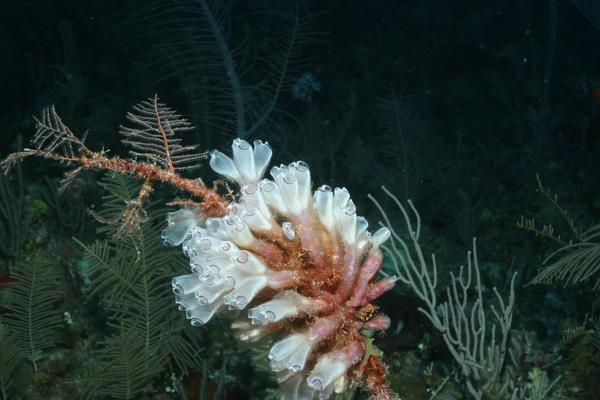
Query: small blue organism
x=305 y=86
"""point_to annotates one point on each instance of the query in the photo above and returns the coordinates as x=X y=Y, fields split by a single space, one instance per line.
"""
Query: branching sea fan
x=301 y=263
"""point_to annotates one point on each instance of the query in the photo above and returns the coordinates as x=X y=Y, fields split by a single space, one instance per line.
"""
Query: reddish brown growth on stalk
x=374 y=372
x=156 y=155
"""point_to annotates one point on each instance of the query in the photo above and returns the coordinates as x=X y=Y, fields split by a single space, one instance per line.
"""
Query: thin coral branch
x=212 y=202
x=134 y=215
x=154 y=141
x=545 y=231
x=553 y=199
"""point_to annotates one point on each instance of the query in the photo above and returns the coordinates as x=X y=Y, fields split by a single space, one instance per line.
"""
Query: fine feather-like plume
x=153 y=136
x=53 y=140
x=53 y=136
